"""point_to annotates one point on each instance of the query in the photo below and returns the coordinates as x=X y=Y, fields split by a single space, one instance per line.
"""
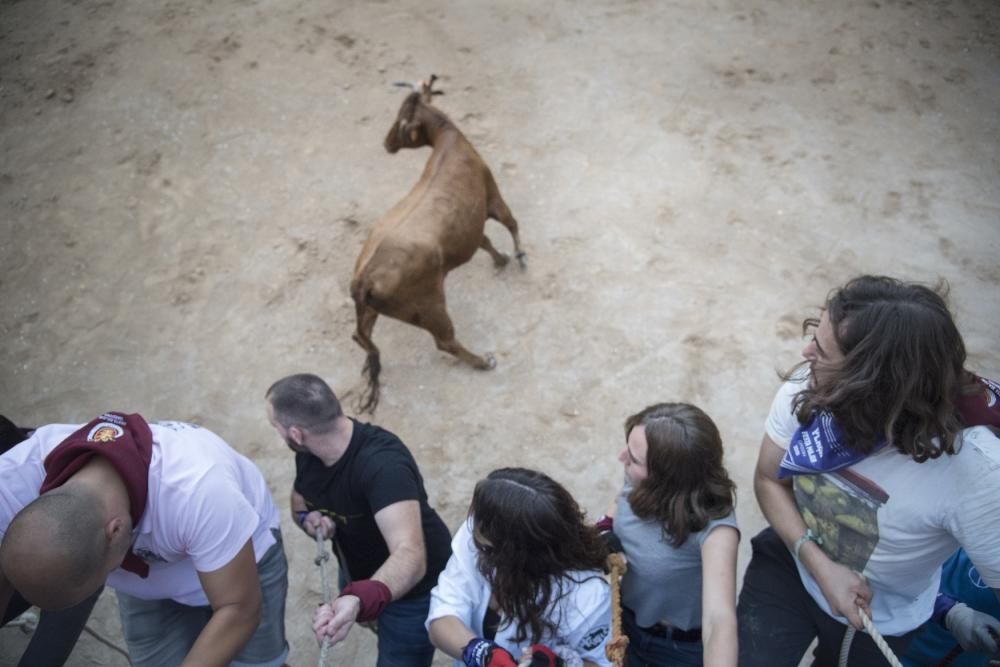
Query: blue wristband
x=476 y=651
x=942 y=605
x=301 y=516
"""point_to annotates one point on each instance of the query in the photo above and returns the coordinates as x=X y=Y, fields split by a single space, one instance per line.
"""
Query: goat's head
x=408 y=131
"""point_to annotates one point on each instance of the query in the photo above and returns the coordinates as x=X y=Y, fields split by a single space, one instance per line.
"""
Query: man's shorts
x=159 y=633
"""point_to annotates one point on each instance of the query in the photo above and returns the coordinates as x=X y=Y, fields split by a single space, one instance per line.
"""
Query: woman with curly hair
x=525 y=579
x=674 y=520
x=871 y=473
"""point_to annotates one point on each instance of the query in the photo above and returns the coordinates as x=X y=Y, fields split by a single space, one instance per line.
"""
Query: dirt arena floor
x=185 y=185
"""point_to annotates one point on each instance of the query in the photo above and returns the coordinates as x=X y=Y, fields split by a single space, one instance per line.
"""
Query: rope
x=322 y=556
x=845 y=646
x=107 y=642
x=615 y=648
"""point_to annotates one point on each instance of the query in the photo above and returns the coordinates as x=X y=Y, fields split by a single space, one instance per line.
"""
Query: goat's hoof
x=501 y=260
x=520 y=259
x=491 y=362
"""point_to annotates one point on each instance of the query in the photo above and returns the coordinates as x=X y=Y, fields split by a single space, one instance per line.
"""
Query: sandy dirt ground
x=185 y=185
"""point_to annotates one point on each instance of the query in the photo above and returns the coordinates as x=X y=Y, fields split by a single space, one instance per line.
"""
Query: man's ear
x=297 y=435
x=115 y=528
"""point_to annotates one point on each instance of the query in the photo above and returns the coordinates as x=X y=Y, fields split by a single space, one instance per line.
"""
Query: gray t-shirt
x=662 y=583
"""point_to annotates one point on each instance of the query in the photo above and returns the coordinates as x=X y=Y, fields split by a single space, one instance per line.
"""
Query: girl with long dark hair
x=525 y=576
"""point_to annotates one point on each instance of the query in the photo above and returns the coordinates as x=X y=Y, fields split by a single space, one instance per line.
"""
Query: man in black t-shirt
x=359 y=484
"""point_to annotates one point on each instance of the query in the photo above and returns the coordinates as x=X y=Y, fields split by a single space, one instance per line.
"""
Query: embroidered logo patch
x=149 y=556
x=105 y=432
x=594 y=638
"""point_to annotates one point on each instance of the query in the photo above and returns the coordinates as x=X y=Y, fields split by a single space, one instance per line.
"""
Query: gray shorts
x=159 y=633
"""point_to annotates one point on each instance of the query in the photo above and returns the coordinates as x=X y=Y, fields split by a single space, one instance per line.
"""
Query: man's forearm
x=229 y=629
x=402 y=570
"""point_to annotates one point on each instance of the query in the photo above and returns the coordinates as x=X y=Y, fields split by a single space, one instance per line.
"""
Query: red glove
x=374 y=596
x=543 y=656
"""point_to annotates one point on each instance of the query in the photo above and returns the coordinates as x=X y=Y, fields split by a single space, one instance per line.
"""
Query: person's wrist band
x=475 y=651
x=604 y=524
x=808 y=536
x=300 y=516
x=373 y=594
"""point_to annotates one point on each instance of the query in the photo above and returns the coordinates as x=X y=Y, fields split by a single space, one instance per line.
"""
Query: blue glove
x=481 y=652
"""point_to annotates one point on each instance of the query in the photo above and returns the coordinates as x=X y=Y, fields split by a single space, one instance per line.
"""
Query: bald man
x=57 y=631
x=178 y=523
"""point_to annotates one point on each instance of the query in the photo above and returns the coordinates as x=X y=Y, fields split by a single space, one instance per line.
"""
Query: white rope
x=845 y=646
x=322 y=556
x=107 y=642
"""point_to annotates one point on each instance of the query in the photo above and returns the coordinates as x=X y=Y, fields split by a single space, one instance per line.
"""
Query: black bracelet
x=301 y=516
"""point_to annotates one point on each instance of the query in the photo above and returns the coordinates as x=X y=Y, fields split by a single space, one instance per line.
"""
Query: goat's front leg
x=497 y=209
x=504 y=217
x=499 y=259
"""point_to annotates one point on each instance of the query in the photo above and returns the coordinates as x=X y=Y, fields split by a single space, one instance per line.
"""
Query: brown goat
x=436 y=227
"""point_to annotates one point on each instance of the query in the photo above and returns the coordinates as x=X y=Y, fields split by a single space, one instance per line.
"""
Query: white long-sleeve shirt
x=582 y=610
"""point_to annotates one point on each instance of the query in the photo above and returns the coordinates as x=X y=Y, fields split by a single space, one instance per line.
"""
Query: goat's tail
x=366 y=315
x=368 y=400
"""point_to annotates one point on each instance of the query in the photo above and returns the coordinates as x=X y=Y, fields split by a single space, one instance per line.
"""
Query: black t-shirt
x=376 y=471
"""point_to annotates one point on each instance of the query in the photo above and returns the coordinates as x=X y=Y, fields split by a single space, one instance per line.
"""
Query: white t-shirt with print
x=205 y=500
x=582 y=614
x=896 y=521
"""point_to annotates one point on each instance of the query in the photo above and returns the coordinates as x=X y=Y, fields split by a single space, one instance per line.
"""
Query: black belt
x=667 y=631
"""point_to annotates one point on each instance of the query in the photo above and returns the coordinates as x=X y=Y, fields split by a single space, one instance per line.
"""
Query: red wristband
x=374 y=596
x=604 y=524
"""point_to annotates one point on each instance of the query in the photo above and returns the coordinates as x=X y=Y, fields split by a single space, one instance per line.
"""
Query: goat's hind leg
x=497 y=209
x=434 y=318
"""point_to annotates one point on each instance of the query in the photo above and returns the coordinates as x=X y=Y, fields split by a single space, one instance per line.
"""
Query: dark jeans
x=778 y=619
x=648 y=650
x=53 y=640
x=402 y=637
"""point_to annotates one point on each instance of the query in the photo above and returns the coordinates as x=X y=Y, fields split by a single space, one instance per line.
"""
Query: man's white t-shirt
x=582 y=613
x=896 y=521
x=205 y=500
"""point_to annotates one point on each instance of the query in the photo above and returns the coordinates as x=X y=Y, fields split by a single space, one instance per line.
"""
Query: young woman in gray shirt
x=675 y=521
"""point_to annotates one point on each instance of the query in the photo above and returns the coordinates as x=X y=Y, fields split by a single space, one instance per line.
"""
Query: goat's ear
x=392 y=138
x=414 y=134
